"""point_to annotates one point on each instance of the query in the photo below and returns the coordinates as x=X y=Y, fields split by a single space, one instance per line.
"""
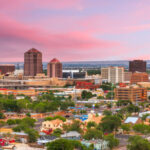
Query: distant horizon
x=77 y=61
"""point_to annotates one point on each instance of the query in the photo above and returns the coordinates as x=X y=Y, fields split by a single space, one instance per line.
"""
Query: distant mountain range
x=83 y=64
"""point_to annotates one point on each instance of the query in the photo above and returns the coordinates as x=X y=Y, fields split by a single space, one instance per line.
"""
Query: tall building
x=32 y=62
x=54 y=69
x=139 y=77
x=137 y=66
x=113 y=74
x=7 y=68
x=132 y=93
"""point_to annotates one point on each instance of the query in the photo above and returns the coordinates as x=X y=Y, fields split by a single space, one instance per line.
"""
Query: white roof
x=143 y=113
x=131 y=120
x=71 y=134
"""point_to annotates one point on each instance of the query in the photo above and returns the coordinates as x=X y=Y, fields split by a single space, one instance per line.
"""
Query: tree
x=138 y=143
x=32 y=135
x=93 y=133
x=106 y=86
x=141 y=128
x=75 y=126
x=107 y=113
x=91 y=124
x=132 y=108
x=64 y=144
x=86 y=95
x=126 y=127
x=28 y=114
x=2 y=115
x=112 y=141
x=110 y=95
x=100 y=97
x=123 y=102
x=11 y=121
x=144 y=117
x=110 y=123
x=60 y=144
x=57 y=132
x=28 y=121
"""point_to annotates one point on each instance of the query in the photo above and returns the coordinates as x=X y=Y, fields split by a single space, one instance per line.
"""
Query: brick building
x=7 y=68
x=137 y=66
x=32 y=62
x=54 y=69
x=139 y=77
x=130 y=93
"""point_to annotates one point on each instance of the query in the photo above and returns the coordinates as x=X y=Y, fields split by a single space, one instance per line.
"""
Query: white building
x=113 y=74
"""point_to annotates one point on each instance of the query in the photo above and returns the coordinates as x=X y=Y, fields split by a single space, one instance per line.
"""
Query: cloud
x=14 y=35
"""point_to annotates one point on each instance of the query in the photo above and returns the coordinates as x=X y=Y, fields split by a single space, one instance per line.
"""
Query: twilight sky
x=75 y=30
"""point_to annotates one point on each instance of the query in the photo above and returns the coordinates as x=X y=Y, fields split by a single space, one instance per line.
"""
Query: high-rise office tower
x=32 y=62
x=137 y=66
x=54 y=69
x=113 y=74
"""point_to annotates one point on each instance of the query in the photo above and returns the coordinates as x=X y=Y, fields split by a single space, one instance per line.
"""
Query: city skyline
x=75 y=30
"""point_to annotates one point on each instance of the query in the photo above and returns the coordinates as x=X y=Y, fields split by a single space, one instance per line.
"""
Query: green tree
x=57 y=132
x=32 y=135
x=2 y=115
x=86 y=95
x=91 y=124
x=112 y=141
x=107 y=113
x=60 y=144
x=126 y=127
x=11 y=121
x=141 y=128
x=138 y=143
x=110 y=123
x=93 y=133
x=64 y=144
x=144 y=117
x=110 y=95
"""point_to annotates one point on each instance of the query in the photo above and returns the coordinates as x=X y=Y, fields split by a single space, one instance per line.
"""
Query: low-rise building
x=53 y=124
x=73 y=135
x=139 y=77
x=133 y=120
x=133 y=93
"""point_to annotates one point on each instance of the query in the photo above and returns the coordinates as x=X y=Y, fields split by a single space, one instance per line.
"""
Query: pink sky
x=75 y=30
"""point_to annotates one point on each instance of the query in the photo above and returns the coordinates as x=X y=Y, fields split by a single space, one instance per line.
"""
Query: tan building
x=144 y=84
x=139 y=77
x=113 y=74
x=130 y=93
x=53 y=124
x=54 y=69
x=127 y=77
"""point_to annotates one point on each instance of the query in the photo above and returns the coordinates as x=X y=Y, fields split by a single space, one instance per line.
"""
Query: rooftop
x=33 y=50
x=54 y=60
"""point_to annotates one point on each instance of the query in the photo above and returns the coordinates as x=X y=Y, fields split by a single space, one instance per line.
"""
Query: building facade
x=127 y=77
x=130 y=93
x=54 y=69
x=7 y=68
x=32 y=62
x=139 y=77
x=113 y=74
x=137 y=66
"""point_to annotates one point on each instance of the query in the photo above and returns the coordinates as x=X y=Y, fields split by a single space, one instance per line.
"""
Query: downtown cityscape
x=74 y=75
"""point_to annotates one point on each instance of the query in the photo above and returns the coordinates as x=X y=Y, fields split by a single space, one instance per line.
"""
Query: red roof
x=54 y=60
x=33 y=50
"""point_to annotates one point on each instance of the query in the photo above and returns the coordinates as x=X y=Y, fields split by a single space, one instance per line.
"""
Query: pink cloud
x=14 y=34
x=15 y=5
